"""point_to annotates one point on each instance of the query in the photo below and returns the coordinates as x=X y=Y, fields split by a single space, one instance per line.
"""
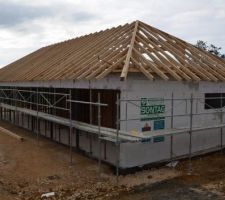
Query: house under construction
x=131 y=96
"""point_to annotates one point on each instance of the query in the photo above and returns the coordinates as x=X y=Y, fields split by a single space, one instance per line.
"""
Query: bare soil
x=29 y=169
x=203 y=179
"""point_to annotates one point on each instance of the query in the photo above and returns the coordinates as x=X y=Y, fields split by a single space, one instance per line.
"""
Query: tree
x=214 y=50
x=210 y=48
x=201 y=45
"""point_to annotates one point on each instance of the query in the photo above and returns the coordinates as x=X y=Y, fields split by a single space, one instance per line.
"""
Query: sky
x=27 y=25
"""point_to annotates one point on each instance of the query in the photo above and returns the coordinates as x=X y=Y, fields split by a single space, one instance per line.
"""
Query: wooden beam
x=123 y=75
x=11 y=134
x=142 y=69
x=176 y=53
x=108 y=70
x=106 y=55
x=163 y=57
x=110 y=58
x=152 y=66
x=161 y=64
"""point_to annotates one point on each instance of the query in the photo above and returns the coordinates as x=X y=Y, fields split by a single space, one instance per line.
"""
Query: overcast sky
x=26 y=25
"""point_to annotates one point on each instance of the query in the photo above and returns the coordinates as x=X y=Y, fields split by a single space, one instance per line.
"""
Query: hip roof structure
x=131 y=48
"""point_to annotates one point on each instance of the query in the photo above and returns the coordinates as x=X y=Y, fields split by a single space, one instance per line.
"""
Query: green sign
x=152 y=109
x=158 y=139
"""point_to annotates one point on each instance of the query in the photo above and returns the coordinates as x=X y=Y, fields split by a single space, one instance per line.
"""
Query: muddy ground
x=29 y=169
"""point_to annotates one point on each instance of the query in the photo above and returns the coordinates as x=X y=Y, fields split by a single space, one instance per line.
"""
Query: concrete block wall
x=137 y=86
x=138 y=154
x=142 y=88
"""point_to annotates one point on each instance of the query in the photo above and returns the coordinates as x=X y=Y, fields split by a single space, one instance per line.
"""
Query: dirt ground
x=29 y=169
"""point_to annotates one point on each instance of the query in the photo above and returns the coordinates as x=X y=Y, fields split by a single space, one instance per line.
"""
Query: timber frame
x=131 y=48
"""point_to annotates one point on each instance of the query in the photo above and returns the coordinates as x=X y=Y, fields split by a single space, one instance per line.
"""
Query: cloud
x=12 y=14
x=28 y=25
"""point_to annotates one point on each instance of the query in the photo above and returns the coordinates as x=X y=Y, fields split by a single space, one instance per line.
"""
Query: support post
x=71 y=129
x=30 y=93
x=126 y=116
x=51 y=110
x=171 y=137
x=1 y=113
x=90 y=108
x=54 y=113
x=117 y=137
x=30 y=117
x=59 y=134
x=190 y=133
x=99 y=136
x=15 y=103
x=37 y=106
x=126 y=107
x=221 y=122
x=22 y=119
x=19 y=105
x=1 y=116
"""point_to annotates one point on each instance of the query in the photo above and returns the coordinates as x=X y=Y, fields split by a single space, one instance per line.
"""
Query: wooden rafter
x=123 y=75
x=135 y=47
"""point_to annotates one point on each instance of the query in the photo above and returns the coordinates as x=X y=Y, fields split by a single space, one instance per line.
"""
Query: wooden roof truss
x=134 y=47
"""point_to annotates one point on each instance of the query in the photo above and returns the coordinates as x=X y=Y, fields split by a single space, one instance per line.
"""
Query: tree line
x=210 y=48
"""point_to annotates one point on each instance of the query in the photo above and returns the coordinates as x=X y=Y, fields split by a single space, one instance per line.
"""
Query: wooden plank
x=178 y=55
x=114 y=58
x=78 y=58
x=165 y=67
x=152 y=66
x=57 y=50
x=111 y=68
x=201 y=67
x=54 y=67
x=87 y=56
x=212 y=65
x=165 y=59
x=192 y=57
x=77 y=49
x=103 y=54
x=11 y=134
x=214 y=61
x=142 y=69
x=129 y=54
x=109 y=57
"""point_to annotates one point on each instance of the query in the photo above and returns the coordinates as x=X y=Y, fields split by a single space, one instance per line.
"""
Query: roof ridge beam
x=124 y=72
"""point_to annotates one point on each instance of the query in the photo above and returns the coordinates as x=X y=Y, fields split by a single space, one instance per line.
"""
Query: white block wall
x=137 y=86
x=138 y=154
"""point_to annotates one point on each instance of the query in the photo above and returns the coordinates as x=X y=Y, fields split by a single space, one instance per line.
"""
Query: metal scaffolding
x=44 y=105
x=55 y=108
x=191 y=103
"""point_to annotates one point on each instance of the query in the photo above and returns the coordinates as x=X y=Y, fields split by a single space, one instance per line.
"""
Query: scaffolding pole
x=190 y=133
x=71 y=128
x=221 y=121
x=171 y=137
x=54 y=113
x=99 y=136
x=90 y=118
x=38 y=129
x=117 y=137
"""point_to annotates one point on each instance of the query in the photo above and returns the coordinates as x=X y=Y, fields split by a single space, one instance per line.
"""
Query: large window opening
x=85 y=112
x=82 y=112
x=53 y=101
x=214 y=100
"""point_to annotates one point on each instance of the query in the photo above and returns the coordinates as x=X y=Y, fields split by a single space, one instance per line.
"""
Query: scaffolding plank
x=75 y=124
x=11 y=134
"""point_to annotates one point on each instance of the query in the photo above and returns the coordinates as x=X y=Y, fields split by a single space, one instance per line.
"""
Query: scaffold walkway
x=106 y=133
